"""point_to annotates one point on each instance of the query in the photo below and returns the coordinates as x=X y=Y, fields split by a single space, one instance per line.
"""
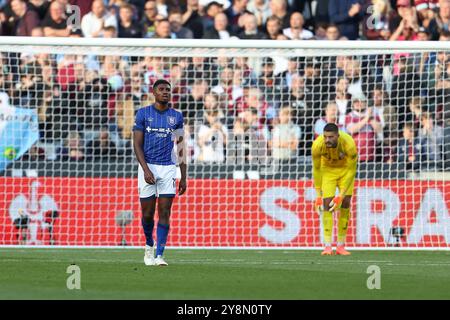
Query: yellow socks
x=327 y=221
x=344 y=216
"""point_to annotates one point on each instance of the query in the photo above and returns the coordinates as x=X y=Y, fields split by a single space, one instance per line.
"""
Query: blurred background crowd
x=395 y=106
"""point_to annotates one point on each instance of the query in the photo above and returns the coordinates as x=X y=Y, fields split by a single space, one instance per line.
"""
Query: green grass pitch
x=223 y=274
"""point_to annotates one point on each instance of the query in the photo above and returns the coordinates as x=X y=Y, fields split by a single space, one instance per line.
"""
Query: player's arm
x=350 y=169
x=182 y=160
x=316 y=168
x=182 y=157
x=317 y=175
x=138 y=142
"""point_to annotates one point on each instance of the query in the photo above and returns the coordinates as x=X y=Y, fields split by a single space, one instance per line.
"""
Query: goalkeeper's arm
x=350 y=173
x=352 y=162
x=316 y=169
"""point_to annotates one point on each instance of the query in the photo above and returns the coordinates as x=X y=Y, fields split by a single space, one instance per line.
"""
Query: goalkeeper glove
x=335 y=203
x=319 y=205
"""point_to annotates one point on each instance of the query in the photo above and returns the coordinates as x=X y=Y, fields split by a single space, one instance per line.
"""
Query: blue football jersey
x=160 y=131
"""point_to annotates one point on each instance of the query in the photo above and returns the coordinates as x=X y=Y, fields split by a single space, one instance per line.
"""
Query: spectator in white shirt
x=296 y=31
x=93 y=23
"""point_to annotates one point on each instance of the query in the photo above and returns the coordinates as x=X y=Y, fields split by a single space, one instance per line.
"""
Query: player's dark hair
x=331 y=127
x=159 y=82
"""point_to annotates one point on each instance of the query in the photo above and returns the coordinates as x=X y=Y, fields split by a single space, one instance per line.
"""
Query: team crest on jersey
x=150 y=119
x=171 y=120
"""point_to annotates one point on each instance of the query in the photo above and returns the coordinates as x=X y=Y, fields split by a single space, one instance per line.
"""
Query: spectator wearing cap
x=364 y=126
x=376 y=21
x=251 y=28
x=424 y=12
x=346 y=14
x=211 y=10
x=24 y=19
x=236 y=13
x=176 y=26
x=261 y=10
x=295 y=30
x=279 y=9
x=192 y=20
x=55 y=23
x=93 y=23
x=273 y=27
x=441 y=22
x=220 y=30
x=128 y=27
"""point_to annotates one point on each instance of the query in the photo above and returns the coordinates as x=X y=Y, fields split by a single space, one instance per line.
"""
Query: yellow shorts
x=332 y=178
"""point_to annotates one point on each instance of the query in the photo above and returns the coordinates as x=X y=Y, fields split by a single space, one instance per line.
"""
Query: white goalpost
x=68 y=174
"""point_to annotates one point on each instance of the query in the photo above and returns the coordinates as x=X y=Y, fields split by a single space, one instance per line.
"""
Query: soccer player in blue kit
x=156 y=129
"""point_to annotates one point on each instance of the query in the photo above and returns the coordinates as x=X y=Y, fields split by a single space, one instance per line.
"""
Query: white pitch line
x=233 y=262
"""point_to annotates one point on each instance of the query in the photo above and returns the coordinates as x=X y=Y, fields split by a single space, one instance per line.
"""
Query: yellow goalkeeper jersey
x=344 y=157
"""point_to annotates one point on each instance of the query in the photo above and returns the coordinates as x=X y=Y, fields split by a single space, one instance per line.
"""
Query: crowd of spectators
x=395 y=106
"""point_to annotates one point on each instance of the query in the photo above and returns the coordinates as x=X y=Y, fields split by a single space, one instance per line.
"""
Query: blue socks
x=148 y=231
x=162 y=231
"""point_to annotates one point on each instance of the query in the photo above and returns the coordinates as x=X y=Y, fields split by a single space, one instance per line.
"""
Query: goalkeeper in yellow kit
x=335 y=158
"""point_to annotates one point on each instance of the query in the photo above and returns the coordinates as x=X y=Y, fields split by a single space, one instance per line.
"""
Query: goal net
x=68 y=174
